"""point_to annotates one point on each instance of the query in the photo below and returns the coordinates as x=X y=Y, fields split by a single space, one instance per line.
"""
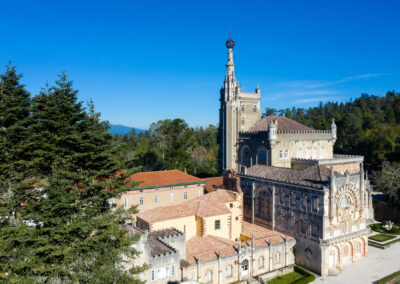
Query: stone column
x=219 y=268
x=252 y=256
x=239 y=263
x=273 y=208
x=324 y=256
x=270 y=255
x=253 y=188
x=331 y=195
x=361 y=189
x=198 y=269
x=286 y=251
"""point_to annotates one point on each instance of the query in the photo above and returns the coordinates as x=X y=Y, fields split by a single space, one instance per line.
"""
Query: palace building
x=293 y=182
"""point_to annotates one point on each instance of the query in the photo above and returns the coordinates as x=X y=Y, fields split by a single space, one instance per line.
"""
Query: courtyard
x=378 y=264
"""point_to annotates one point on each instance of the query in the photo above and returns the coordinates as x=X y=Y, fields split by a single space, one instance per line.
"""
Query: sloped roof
x=163 y=178
x=214 y=183
x=314 y=176
x=208 y=247
x=211 y=204
x=284 y=124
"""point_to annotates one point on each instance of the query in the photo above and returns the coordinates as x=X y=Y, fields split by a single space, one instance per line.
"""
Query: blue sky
x=142 y=61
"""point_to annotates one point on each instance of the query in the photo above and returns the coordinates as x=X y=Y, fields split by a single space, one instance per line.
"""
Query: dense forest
x=172 y=144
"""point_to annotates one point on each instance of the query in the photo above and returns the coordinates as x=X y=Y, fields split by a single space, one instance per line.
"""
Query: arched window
x=262 y=155
x=245 y=156
x=229 y=271
x=242 y=120
x=209 y=276
x=261 y=262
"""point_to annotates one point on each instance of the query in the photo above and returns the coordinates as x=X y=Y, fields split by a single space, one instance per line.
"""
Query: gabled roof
x=313 y=176
x=284 y=124
x=211 y=204
x=163 y=178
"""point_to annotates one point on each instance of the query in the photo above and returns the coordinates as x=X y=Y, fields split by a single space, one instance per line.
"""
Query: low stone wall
x=276 y=273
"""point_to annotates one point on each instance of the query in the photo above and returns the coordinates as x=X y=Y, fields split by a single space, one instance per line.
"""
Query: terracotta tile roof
x=214 y=183
x=284 y=124
x=314 y=176
x=160 y=178
x=208 y=247
x=211 y=204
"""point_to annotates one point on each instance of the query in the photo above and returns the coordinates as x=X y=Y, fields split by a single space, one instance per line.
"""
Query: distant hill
x=122 y=129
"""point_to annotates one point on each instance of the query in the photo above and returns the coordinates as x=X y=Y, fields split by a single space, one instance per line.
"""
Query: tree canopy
x=60 y=171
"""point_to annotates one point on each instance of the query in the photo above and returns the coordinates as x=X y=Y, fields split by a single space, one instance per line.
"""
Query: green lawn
x=381 y=237
x=299 y=275
x=287 y=278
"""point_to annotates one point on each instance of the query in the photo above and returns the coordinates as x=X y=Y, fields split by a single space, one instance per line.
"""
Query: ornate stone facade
x=294 y=183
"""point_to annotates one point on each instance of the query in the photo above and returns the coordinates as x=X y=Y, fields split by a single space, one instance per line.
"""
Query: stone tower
x=238 y=112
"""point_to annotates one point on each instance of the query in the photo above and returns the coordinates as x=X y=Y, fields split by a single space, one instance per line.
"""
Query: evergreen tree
x=68 y=232
x=14 y=136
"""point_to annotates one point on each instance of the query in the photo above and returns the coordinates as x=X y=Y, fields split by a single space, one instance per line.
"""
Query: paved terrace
x=378 y=264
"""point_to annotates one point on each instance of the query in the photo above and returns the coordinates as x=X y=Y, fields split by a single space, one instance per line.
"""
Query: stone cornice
x=345 y=237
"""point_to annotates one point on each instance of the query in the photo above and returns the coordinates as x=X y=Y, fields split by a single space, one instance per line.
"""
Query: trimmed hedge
x=388 y=278
x=308 y=277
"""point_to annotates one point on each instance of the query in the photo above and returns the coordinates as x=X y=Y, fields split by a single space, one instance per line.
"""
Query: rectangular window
x=332 y=232
x=185 y=195
x=342 y=229
x=298 y=153
x=156 y=198
x=308 y=154
x=321 y=153
x=277 y=257
x=281 y=154
x=141 y=200
x=242 y=108
x=111 y=202
x=171 y=188
x=347 y=227
x=153 y=275
x=315 y=204
x=171 y=271
x=126 y=202
x=171 y=197
x=199 y=192
x=255 y=108
x=286 y=154
x=217 y=224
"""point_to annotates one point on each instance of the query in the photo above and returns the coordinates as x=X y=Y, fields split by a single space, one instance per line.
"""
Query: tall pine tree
x=69 y=232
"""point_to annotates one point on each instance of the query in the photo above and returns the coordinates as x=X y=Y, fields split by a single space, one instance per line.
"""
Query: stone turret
x=272 y=133
x=333 y=130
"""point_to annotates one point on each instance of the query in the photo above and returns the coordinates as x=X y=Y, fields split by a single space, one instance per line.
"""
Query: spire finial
x=230 y=43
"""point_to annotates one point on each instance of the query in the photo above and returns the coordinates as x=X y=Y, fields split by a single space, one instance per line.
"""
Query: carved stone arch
x=245 y=155
x=347 y=203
